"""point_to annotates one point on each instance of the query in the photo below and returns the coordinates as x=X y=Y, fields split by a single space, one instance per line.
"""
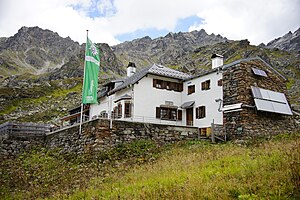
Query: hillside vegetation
x=261 y=169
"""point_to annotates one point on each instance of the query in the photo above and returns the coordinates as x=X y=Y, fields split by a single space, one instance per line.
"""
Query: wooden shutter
x=197 y=113
x=179 y=115
x=203 y=86
x=172 y=86
x=154 y=82
x=158 y=112
x=180 y=87
x=220 y=82
x=164 y=84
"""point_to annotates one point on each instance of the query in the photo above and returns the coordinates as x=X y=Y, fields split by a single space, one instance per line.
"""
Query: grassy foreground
x=264 y=169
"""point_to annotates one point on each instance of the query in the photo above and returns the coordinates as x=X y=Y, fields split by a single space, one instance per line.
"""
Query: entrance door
x=189 y=116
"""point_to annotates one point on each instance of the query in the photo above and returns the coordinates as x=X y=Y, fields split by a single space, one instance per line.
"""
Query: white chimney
x=131 y=68
x=217 y=60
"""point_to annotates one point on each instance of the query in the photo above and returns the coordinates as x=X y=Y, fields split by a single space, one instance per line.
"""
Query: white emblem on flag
x=93 y=49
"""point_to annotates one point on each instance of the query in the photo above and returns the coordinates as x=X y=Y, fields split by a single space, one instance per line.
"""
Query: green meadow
x=265 y=168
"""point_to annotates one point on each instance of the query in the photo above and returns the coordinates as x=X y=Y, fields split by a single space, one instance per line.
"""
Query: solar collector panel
x=259 y=72
x=270 y=101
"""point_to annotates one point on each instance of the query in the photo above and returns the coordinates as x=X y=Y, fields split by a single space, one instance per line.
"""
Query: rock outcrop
x=288 y=42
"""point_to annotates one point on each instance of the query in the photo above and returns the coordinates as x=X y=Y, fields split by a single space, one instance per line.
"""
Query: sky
x=116 y=21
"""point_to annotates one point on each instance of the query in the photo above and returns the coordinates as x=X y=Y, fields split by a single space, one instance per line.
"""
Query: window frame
x=200 y=112
x=205 y=85
x=168 y=85
x=127 y=109
x=171 y=114
x=191 y=89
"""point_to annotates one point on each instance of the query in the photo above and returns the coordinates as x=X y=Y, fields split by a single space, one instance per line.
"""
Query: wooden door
x=189 y=116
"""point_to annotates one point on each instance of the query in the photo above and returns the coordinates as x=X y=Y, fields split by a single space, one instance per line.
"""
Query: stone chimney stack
x=131 y=69
x=217 y=60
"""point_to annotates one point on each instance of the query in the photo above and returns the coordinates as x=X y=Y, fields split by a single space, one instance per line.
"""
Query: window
x=168 y=85
x=127 y=111
x=119 y=110
x=157 y=83
x=179 y=114
x=205 y=85
x=168 y=113
x=115 y=112
x=191 y=89
x=200 y=112
x=220 y=82
x=103 y=114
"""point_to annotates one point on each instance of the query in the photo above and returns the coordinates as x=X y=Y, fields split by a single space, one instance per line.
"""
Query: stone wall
x=96 y=135
x=237 y=82
x=16 y=143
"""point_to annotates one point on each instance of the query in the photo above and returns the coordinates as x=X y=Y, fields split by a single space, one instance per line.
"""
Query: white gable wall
x=147 y=98
x=205 y=98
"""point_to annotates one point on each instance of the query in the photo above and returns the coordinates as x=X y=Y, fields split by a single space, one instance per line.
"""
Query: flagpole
x=81 y=110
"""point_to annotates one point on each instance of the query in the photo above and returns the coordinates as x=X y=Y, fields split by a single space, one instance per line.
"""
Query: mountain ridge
x=288 y=42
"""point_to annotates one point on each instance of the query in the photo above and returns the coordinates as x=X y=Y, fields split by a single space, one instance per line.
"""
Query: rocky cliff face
x=164 y=50
x=36 y=51
x=288 y=42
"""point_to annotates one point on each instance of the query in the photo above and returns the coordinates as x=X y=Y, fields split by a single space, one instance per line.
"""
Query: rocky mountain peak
x=289 y=42
x=164 y=49
x=36 y=50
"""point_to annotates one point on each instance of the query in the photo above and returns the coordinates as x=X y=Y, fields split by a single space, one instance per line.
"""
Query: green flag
x=91 y=71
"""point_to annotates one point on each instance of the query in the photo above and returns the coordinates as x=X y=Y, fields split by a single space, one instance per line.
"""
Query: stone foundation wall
x=13 y=144
x=237 y=82
x=96 y=135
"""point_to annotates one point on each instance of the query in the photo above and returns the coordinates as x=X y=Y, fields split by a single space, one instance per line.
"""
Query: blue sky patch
x=151 y=32
x=182 y=25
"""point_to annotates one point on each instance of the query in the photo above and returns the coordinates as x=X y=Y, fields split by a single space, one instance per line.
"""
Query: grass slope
x=190 y=170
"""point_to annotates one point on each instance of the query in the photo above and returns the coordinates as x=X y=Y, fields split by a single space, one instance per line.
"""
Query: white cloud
x=259 y=21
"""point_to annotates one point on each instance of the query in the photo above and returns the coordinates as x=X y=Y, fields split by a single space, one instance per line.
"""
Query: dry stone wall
x=97 y=135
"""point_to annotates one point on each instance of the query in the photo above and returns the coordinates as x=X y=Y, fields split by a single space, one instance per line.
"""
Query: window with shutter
x=200 y=112
x=154 y=82
x=179 y=114
x=164 y=85
x=119 y=110
x=220 y=82
x=191 y=89
x=205 y=85
x=180 y=87
x=127 y=109
x=157 y=112
x=160 y=84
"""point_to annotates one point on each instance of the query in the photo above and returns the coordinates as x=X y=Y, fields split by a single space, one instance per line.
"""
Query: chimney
x=131 y=68
x=217 y=60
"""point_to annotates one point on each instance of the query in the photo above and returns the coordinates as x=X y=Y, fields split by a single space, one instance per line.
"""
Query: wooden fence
x=18 y=128
x=218 y=133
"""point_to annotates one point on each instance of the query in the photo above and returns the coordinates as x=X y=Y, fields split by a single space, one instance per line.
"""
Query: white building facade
x=158 y=94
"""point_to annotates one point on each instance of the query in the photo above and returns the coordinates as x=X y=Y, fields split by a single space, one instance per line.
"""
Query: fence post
x=212 y=132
